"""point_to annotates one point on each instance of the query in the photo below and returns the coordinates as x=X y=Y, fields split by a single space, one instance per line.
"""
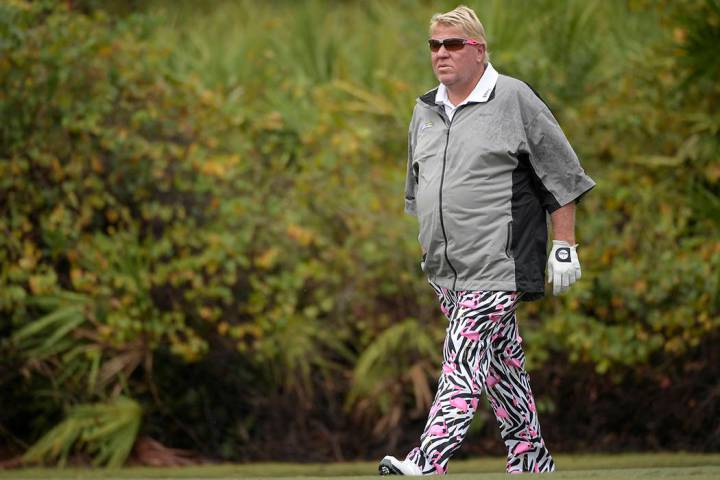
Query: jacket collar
x=429 y=97
x=482 y=92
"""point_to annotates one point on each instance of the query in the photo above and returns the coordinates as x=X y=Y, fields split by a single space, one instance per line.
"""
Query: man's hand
x=563 y=267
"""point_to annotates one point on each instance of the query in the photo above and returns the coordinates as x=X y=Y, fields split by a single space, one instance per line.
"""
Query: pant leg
x=508 y=391
x=466 y=360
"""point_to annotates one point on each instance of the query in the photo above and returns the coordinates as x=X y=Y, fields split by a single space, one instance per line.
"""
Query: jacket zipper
x=442 y=181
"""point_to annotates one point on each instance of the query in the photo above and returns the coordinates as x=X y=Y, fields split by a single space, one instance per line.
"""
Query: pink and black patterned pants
x=482 y=350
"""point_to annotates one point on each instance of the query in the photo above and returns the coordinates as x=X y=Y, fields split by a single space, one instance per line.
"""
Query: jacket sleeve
x=410 y=180
x=557 y=169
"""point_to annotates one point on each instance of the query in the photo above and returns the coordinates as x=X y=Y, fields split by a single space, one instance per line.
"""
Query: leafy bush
x=215 y=229
x=651 y=284
x=105 y=192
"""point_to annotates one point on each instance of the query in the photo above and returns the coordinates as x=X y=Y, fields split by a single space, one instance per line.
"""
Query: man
x=486 y=161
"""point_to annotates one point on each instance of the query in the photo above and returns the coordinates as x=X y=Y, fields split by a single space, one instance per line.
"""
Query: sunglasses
x=451 y=44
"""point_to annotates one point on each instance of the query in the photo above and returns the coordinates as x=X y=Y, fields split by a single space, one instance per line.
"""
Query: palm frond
x=392 y=358
x=105 y=430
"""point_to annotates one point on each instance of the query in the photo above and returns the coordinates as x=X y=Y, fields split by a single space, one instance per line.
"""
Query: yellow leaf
x=96 y=164
x=679 y=34
x=111 y=215
x=75 y=275
x=267 y=259
x=35 y=284
x=301 y=235
x=272 y=121
x=213 y=169
x=223 y=328
x=640 y=287
x=105 y=51
x=712 y=172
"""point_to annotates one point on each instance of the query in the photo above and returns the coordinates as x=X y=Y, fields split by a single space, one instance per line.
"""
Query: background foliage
x=203 y=230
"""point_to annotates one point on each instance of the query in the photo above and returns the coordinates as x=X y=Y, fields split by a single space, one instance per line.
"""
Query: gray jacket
x=481 y=184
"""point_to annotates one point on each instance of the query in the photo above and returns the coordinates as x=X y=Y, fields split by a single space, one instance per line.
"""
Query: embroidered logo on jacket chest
x=425 y=126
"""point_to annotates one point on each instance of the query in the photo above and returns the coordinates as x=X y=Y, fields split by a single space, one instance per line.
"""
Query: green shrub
x=106 y=192
x=206 y=207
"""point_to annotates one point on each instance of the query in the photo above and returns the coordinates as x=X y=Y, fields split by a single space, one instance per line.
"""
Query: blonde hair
x=465 y=18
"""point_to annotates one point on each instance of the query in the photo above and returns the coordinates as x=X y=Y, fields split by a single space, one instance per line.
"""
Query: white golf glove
x=563 y=266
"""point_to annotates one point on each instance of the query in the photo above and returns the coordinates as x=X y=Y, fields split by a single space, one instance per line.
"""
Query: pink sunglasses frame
x=441 y=43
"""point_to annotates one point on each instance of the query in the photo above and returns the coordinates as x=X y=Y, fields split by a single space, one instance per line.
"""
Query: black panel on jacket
x=529 y=243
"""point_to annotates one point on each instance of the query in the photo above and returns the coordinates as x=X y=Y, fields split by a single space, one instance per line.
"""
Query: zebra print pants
x=482 y=349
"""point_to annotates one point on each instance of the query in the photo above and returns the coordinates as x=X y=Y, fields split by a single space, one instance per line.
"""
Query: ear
x=481 y=53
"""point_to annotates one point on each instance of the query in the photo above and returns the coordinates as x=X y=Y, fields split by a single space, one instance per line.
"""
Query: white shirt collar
x=481 y=92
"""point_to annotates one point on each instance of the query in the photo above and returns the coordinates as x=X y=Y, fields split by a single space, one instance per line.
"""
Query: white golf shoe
x=392 y=466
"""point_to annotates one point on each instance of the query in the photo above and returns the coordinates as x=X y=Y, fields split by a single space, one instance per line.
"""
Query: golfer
x=487 y=162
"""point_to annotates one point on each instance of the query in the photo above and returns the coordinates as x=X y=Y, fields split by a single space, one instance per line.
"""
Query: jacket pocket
x=508 y=240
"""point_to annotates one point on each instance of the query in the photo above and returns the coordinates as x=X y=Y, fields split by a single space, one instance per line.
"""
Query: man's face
x=456 y=68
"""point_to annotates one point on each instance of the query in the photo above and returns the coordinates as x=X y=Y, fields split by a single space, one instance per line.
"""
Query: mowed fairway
x=597 y=467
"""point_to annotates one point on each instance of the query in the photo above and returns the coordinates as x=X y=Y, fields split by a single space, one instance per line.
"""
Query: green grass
x=596 y=467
